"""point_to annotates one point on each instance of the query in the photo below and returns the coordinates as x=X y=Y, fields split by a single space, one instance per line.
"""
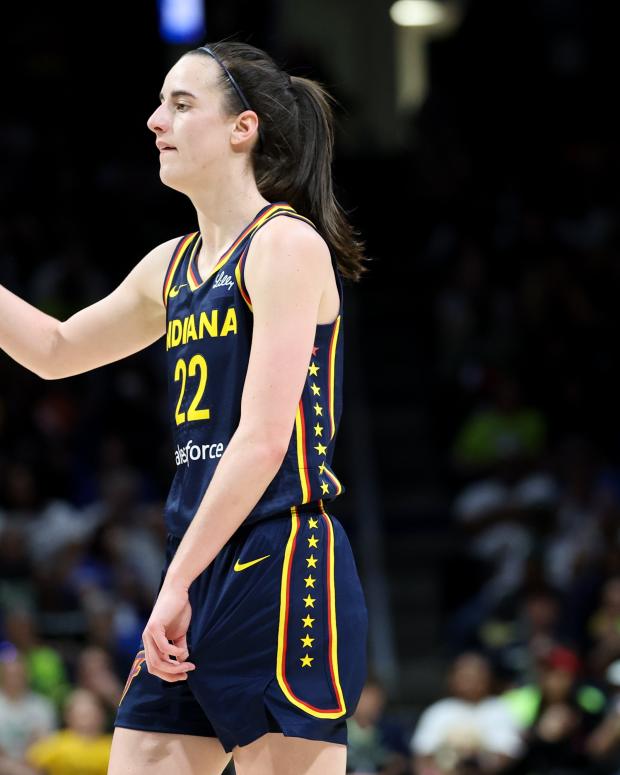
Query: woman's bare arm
x=127 y=320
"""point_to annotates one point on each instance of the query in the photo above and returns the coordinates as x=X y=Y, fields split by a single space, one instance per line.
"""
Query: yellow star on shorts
x=310 y=581
x=318 y=409
x=312 y=561
x=325 y=488
x=322 y=468
x=321 y=448
x=307 y=641
x=318 y=430
x=313 y=369
x=306 y=661
x=313 y=522
x=309 y=601
x=307 y=621
x=313 y=542
x=316 y=390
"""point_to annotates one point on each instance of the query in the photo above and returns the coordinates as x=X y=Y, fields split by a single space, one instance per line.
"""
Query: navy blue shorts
x=278 y=636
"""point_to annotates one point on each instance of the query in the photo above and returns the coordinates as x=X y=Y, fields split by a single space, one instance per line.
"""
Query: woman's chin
x=172 y=181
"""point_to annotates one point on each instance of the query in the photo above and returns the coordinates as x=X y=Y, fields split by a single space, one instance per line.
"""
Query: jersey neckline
x=193 y=275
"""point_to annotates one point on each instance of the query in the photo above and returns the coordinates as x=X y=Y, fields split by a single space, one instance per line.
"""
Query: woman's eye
x=181 y=105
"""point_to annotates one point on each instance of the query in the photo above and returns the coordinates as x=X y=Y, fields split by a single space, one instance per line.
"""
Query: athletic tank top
x=208 y=337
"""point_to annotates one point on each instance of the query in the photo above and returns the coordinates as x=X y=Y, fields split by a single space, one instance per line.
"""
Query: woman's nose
x=157 y=120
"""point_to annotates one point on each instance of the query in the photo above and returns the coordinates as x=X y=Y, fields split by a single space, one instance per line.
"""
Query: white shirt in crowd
x=488 y=721
x=24 y=720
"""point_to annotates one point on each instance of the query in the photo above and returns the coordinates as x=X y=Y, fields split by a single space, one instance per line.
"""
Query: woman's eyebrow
x=177 y=93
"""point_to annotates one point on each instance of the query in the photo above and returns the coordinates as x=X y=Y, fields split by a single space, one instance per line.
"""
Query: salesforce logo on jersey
x=184 y=455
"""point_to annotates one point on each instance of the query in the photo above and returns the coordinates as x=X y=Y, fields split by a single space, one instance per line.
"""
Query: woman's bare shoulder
x=150 y=272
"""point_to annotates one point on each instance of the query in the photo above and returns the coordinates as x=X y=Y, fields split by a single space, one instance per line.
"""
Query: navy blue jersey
x=208 y=337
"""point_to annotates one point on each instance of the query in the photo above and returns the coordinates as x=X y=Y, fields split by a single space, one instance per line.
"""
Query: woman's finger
x=182 y=644
x=169 y=677
x=169 y=668
x=166 y=649
x=158 y=666
x=171 y=672
x=147 y=652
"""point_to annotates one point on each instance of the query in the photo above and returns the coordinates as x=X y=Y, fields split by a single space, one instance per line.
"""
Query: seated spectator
x=375 y=744
x=516 y=642
x=132 y=526
x=47 y=523
x=472 y=730
x=46 y=669
x=556 y=715
x=9 y=766
x=16 y=567
x=501 y=518
x=588 y=503
x=603 y=626
x=603 y=745
x=96 y=674
x=25 y=716
x=493 y=432
x=82 y=747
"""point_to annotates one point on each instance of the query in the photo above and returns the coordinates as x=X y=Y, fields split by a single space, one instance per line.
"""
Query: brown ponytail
x=294 y=163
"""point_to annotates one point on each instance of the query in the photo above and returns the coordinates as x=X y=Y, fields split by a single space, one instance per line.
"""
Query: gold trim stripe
x=283 y=625
x=332 y=375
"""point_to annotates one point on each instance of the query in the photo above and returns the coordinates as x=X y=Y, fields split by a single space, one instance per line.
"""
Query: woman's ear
x=245 y=127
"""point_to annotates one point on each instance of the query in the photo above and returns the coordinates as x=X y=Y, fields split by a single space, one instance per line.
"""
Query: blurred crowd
x=554 y=718
x=76 y=588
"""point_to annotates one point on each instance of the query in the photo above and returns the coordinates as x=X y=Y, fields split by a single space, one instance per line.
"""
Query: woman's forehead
x=194 y=75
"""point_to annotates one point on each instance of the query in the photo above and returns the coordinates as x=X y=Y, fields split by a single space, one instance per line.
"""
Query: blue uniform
x=209 y=333
x=279 y=621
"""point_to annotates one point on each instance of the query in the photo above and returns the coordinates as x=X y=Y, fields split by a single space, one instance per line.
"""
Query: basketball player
x=256 y=645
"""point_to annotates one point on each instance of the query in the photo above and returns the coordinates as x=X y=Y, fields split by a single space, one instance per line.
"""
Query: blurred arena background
x=477 y=152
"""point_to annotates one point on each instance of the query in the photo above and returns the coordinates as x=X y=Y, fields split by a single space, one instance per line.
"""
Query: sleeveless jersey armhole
x=173 y=264
x=240 y=267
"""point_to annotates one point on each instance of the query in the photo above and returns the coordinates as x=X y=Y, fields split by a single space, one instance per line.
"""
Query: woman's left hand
x=165 y=635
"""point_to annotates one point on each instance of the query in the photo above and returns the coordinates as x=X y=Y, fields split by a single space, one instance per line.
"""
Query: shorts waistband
x=313 y=507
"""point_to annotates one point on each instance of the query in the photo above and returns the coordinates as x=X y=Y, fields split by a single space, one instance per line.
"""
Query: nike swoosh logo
x=243 y=565
x=174 y=291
